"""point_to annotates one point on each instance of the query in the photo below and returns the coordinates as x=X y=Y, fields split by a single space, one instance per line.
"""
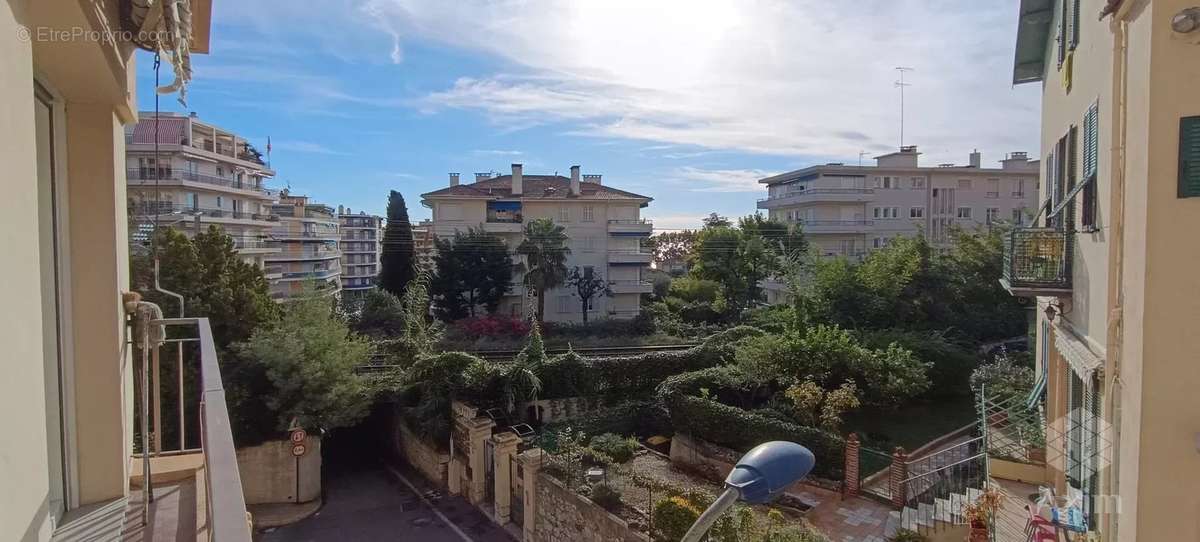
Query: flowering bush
x=492 y=326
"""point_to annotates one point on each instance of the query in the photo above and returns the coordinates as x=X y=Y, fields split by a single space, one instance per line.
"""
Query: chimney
x=453 y=179
x=483 y=176
x=518 y=184
x=976 y=158
x=341 y=210
x=593 y=178
x=575 y=180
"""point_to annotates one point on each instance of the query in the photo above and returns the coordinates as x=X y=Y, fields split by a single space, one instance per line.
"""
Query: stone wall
x=269 y=472
x=563 y=515
x=703 y=457
x=557 y=410
x=422 y=455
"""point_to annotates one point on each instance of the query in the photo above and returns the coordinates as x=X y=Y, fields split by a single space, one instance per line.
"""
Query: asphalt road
x=366 y=500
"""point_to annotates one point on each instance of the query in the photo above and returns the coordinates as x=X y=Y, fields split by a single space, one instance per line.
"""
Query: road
x=366 y=500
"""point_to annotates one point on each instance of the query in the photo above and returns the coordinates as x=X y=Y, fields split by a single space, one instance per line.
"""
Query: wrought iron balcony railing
x=1037 y=261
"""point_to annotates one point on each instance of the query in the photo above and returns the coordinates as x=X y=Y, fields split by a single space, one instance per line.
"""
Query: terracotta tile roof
x=171 y=131
x=535 y=186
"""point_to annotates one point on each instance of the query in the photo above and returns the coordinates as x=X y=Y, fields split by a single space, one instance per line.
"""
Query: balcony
x=316 y=274
x=629 y=256
x=177 y=489
x=503 y=225
x=818 y=195
x=285 y=234
x=146 y=176
x=151 y=209
x=292 y=253
x=835 y=226
x=630 y=226
x=1037 y=262
x=630 y=286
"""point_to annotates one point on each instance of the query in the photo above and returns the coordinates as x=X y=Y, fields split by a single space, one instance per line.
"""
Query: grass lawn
x=910 y=426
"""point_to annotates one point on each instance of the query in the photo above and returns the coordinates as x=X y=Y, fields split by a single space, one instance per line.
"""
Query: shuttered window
x=1074 y=23
x=1189 y=157
x=1091 y=140
x=1064 y=13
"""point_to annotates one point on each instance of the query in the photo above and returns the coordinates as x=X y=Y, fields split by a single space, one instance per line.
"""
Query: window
x=218 y=202
x=964 y=212
x=220 y=171
x=1018 y=188
x=886 y=212
x=566 y=303
x=964 y=184
x=588 y=245
x=993 y=188
x=588 y=214
x=1091 y=144
x=1018 y=216
x=564 y=214
x=887 y=182
x=918 y=183
x=588 y=271
x=877 y=242
x=450 y=211
x=877 y=212
x=993 y=215
x=193 y=200
x=916 y=212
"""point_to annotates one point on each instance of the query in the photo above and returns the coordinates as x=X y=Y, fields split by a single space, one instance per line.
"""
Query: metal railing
x=855 y=222
x=936 y=499
x=226 y=504
x=153 y=208
x=631 y=221
x=1038 y=258
x=874 y=468
x=830 y=191
x=149 y=174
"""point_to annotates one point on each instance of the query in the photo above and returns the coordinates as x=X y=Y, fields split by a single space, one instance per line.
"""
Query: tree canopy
x=587 y=284
x=473 y=269
x=398 y=261
x=545 y=250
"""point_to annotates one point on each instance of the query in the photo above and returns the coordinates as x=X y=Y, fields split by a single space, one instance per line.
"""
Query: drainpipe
x=1116 y=266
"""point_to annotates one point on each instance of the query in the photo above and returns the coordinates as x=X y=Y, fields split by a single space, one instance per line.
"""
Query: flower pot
x=979 y=534
x=1037 y=454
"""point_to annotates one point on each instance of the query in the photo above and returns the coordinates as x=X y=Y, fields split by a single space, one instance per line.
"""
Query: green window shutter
x=1074 y=22
x=1189 y=157
x=1062 y=32
x=1091 y=141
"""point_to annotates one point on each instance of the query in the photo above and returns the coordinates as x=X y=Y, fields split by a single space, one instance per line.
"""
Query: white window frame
x=960 y=215
x=916 y=212
x=991 y=215
x=564 y=213
x=918 y=183
x=965 y=184
x=589 y=213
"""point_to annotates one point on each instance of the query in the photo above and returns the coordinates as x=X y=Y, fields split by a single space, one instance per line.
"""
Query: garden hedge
x=741 y=430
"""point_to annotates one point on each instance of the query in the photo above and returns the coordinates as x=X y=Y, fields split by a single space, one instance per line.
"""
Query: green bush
x=691 y=290
x=607 y=497
x=950 y=362
x=673 y=516
x=643 y=418
x=741 y=430
x=619 y=449
x=905 y=535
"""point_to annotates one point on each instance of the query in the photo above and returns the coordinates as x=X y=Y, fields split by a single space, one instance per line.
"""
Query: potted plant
x=981 y=515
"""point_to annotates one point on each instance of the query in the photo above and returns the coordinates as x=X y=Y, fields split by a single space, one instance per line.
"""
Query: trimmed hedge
x=643 y=418
x=741 y=430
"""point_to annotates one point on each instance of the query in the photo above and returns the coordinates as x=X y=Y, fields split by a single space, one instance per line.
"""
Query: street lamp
x=759 y=476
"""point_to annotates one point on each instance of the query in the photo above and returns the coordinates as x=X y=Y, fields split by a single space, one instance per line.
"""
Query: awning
x=1039 y=389
x=1077 y=354
x=1033 y=37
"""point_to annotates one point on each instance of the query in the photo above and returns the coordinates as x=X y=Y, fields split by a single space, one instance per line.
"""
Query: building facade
x=604 y=225
x=851 y=210
x=198 y=175
x=1111 y=262
x=423 y=244
x=308 y=238
x=67 y=396
x=361 y=246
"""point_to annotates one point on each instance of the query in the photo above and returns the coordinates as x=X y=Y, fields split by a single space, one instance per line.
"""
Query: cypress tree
x=398 y=263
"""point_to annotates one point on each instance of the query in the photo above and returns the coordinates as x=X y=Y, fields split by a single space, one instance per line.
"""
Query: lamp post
x=759 y=476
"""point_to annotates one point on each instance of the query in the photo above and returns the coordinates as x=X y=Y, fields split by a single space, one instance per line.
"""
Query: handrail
x=942 y=468
x=226 y=502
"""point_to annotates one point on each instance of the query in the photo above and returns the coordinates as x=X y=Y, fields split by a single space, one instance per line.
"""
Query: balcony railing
x=148 y=175
x=159 y=208
x=225 y=510
x=1037 y=261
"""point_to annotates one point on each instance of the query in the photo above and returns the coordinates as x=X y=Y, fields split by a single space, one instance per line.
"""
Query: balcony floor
x=172 y=515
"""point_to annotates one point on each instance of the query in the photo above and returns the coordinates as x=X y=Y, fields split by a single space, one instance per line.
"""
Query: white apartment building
x=604 y=225
x=362 y=246
x=851 y=210
x=423 y=244
x=307 y=235
x=198 y=175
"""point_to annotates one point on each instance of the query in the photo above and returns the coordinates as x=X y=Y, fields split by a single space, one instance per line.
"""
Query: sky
x=689 y=102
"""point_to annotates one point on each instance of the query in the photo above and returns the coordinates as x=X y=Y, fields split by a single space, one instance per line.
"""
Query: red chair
x=1039 y=529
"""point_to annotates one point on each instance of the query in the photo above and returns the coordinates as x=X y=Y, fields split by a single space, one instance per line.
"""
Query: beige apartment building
x=851 y=210
x=1111 y=261
x=198 y=175
x=308 y=236
x=361 y=246
x=67 y=395
x=604 y=225
x=423 y=244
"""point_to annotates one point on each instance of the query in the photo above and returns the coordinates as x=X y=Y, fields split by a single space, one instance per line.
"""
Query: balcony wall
x=1037 y=261
x=819 y=195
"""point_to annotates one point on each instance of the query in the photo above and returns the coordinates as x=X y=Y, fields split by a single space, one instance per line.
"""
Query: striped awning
x=1076 y=352
x=1039 y=389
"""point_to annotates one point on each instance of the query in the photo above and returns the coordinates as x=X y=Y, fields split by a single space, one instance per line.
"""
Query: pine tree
x=398 y=263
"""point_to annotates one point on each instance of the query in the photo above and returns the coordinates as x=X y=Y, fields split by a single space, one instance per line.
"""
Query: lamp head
x=767 y=470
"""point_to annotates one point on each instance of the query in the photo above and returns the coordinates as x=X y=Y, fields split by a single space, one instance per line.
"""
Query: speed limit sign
x=298 y=436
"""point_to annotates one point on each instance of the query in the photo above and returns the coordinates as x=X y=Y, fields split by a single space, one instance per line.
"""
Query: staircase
x=939 y=487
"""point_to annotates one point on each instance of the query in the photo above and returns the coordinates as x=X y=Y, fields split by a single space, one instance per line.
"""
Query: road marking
x=421 y=496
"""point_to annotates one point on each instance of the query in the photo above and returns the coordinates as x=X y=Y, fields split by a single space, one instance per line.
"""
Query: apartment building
x=850 y=210
x=361 y=246
x=308 y=237
x=67 y=396
x=604 y=225
x=195 y=174
x=423 y=244
x=1111 y=262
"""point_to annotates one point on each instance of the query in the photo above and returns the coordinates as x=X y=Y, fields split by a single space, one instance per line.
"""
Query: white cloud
x=790 y=77
x=304 y=147
x=498 y=152
x=721 y=180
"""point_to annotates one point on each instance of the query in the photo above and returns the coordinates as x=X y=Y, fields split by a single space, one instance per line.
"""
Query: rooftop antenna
x=901 y=84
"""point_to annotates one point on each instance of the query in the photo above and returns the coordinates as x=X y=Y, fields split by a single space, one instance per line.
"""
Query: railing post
x=897 y=474
x=850 y=486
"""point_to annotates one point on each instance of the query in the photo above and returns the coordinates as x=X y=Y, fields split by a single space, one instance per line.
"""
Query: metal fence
x=1038 y=258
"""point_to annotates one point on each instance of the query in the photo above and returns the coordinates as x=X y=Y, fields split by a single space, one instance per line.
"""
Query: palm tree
x=545 y=250
x=522 y=381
